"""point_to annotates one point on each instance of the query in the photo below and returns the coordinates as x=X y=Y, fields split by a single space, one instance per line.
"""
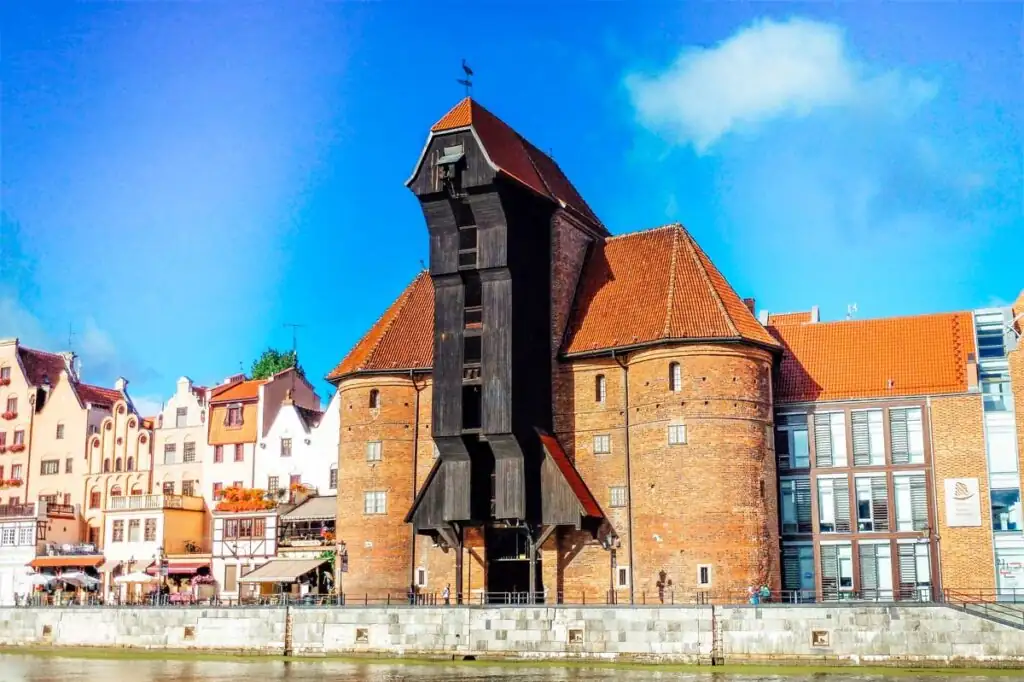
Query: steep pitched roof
x=779 y=319
x=310 y=418
x=239 y=390
x=40 y=365
x=513 y=155
x=891 y=357
x=97 y=395
x=402 y=339
x=656 y=285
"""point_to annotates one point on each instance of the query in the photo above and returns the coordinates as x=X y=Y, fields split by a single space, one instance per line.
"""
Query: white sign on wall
x=963 y=503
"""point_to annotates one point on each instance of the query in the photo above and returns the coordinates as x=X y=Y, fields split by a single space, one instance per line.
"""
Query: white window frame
x=675 y=377
x=617 y=490
x=701 y=568
x=421 y=576
x=602 y=444
x=27 y=536
x=8 y=536
x=374 y=451
x=677 y=434
x=622 y=576
x=915 y=436
x=375 y=502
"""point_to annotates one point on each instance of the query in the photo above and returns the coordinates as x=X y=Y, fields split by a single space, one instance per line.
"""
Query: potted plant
x=5 y=381
x=8 y=415
x=17 y=447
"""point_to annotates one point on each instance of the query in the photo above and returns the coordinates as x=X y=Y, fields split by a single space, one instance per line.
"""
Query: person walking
x=447 y=594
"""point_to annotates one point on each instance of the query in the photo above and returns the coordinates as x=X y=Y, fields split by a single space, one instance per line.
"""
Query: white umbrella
x=79 y=579
x=40 y=579
x=134 y=578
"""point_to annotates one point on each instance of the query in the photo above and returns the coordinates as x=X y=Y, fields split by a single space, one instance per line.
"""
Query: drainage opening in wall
x=362 y=635
x=47 y=632
x=576 y=636
x=190 y=632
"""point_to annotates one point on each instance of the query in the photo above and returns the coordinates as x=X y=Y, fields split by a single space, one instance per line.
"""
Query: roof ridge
x=404 y=300
x=529 y=147
x=643 y=230
x=670 y=298
x=707 y=280
x=822 y=323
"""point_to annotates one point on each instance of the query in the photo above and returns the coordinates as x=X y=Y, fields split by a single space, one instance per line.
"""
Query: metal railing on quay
x=479 y=599
x=1004 y=606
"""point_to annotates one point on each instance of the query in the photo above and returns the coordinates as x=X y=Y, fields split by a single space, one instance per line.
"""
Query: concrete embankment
x=914 y=636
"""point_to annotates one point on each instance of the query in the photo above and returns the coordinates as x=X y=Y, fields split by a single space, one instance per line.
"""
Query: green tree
x=271 y=362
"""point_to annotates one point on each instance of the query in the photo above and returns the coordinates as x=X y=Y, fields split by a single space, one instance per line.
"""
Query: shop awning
x=180 y=567
x=282 y=570
x=315 y=509
x=66 y=561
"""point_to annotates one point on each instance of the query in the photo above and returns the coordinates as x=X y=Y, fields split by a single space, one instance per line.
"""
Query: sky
x=181 y=180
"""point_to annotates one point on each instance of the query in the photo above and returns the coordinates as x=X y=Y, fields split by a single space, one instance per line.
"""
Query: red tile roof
x=402 y=339
x=892 y=357
x=237 y=391
x=779 y=319
x=572 y=476
x=656 y=285
x=97 y=395
x=516 y=157
x=40 y=365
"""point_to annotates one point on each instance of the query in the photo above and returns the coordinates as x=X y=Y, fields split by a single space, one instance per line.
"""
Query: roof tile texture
x=240 y=390
x=891 y=357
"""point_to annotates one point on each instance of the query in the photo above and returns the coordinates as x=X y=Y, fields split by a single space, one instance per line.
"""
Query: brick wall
x=959 y=452
x=379 y=549
x=711 y=501
x=1016 y=360
x=568 y=250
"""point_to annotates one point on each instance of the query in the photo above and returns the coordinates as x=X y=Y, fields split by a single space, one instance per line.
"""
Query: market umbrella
x=40 y=579
x=79 y=579
x=134 y=578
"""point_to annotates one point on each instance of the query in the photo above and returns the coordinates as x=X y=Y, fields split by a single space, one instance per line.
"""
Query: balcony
x=11 y=511
x=70 y=549
x=60 y=511
x=154 y=502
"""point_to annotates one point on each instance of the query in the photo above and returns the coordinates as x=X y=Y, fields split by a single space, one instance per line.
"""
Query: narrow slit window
x=471 y=407
x=675 y=377
x=600 y=388
x=374 y=398
x=472 y=350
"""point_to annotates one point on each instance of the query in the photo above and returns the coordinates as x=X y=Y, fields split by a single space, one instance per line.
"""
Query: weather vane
x=466 y=82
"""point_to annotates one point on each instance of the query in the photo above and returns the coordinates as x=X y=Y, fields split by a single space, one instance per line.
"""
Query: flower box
x=10 y=483
x=8 y=415
x=3 y=449
x=17 y=447
x=5 y=382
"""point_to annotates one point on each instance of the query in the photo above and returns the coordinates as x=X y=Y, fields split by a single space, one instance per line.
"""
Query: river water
x=17 y=668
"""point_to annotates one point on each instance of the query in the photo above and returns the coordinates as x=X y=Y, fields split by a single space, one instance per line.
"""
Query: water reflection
x=15 y=668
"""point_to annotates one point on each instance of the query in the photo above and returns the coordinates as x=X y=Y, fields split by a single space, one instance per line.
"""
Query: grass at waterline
x=789 y=670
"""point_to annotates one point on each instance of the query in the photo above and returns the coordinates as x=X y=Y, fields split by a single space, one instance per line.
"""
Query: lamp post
x=340 y=552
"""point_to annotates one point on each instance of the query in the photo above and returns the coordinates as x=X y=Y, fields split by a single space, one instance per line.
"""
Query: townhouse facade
x=300 y=449
x=182 y=448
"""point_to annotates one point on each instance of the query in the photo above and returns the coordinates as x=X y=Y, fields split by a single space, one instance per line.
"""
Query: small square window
x=704 y=575
x=60 y=432
x=375 y=502
x=181 y=417
x=602 y=444
x=618 y=496
x=373 y=451
x=677 y=434
x=286 y=447
x=622 y=576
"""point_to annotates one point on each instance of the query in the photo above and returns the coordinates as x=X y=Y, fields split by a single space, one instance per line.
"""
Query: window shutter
x=868 y=569
x=802 y=491
x=900 y=442
x=791 y=568
x=782 y=449
x=829 y=570
x=822 y=440
x=880 y=502
x=919 y=502
x=861 y=439
x=841 y=490
x=908 y=571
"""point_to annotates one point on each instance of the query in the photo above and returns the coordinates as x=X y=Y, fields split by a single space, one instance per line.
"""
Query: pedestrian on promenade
x=447 y=594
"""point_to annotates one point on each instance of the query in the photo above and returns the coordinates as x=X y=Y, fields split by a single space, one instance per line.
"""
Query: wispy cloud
x=766 y=71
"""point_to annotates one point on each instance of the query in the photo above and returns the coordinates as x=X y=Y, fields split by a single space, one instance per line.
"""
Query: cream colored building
x=181 y=445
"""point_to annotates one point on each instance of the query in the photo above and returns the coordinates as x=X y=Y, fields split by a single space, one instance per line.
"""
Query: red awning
x=572 y=476
x=180 y=567
x=66 y=561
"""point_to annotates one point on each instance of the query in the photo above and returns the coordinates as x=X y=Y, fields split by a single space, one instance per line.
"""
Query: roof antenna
x=466 y=82
x=295 y=348
x=851 y=310
x=423 y=266
x=71 y=333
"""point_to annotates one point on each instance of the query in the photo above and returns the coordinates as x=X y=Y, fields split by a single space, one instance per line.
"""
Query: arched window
x=106 y=465
x=600 y=388
x=115 y=491
x=675 y=377
x=131 y=464
x=374 y=398
x=136 y=489
x=118 y=464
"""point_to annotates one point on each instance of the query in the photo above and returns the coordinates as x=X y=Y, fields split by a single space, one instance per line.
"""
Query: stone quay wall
x=818 y=635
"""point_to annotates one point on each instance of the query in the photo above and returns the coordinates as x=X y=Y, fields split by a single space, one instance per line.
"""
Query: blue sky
x=181 y=179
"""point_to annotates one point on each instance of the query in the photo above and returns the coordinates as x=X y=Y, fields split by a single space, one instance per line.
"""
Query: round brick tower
x=704 y=503
x=375 y=486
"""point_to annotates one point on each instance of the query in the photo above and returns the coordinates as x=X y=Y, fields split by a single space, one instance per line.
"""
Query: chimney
x=763 y=318
x=71 y=362
x=815 y=315
x=972 y=373
x=749 y=302
x=120 y=384
x=234 y=378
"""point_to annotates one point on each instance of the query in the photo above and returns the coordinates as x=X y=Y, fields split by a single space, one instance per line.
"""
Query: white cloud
x=15 y=320
x=765 y=71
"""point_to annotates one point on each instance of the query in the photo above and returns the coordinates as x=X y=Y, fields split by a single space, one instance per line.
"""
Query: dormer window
x=448 y=175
